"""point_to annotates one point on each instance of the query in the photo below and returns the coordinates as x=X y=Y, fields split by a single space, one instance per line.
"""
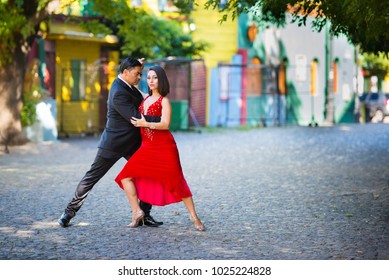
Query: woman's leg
x=188 y=201
x=132 y=196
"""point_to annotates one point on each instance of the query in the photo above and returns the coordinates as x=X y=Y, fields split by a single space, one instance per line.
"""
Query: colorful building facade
x=280 y=76
x=254 y=74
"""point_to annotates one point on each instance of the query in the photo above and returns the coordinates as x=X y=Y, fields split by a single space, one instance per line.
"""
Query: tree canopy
x=363 y=22
x=143 y=34
x=140 y=33
x=18 y=20
x=375 y=65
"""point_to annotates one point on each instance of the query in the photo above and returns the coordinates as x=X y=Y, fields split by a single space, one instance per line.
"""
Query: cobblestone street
x=277 y=193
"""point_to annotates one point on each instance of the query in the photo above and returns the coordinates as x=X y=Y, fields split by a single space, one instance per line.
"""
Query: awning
x=83 y=36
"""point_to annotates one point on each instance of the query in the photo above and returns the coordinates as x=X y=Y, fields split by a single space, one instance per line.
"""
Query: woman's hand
x=139 y=122
x=141 y=60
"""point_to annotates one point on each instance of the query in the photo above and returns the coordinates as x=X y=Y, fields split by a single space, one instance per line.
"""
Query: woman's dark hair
x=163 y=82
x=129 y=63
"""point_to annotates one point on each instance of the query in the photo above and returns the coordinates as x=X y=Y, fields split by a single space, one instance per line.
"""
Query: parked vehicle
x=375 y=104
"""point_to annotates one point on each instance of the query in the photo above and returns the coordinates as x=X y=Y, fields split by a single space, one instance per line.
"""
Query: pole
x=329 y=96
x=313 y=121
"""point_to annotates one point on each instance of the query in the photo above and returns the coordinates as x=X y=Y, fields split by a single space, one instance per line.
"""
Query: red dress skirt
x=155 y=168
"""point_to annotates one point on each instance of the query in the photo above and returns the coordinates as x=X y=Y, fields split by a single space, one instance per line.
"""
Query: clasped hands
x=138 y=122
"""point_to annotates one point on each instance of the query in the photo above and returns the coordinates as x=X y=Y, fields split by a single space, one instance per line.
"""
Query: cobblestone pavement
x=290 y=193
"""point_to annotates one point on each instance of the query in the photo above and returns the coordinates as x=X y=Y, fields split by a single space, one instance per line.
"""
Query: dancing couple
x=138 y=129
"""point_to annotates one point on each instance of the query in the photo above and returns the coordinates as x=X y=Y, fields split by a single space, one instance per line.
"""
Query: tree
x=139 y=33
x=155 y=37
x=375 y=65
x=363 y=22
x=142 y=34
x=18 y=24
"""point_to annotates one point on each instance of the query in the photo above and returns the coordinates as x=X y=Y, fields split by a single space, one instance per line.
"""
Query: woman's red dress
x=155 y=167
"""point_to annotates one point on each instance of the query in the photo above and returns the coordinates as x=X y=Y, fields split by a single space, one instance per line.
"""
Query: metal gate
x=262 y=95
x=187 y=79
x=78 y=111
x=251 y=95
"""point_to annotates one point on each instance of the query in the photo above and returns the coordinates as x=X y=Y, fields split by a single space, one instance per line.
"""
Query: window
x=335 y=76
x=254 y=77
x=252 y=32
x=78 y=80
x=374 y=96
x=282 y=77
x=224 y=73
x=313 y=89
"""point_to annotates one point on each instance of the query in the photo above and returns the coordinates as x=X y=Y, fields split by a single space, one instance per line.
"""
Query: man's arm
x=127 y=109
x=124 y=105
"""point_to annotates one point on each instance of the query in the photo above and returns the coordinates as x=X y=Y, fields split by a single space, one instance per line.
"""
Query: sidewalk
x=292 y=193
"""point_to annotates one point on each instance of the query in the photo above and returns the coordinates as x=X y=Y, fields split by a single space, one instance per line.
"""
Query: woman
x=160 y=180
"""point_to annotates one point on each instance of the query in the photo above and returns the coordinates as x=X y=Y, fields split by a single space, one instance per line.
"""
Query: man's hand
x=139 y=122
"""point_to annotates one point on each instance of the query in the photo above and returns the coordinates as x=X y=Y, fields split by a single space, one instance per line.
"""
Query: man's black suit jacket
x=120 y=137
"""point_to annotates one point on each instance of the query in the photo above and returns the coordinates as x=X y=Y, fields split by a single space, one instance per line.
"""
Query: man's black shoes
x=64 y=220
x=150 y=222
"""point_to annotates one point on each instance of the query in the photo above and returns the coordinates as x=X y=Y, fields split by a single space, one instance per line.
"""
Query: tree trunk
x=11 y=99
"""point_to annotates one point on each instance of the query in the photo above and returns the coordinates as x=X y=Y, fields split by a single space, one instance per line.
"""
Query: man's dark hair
x=163 y=82
x=129 y=63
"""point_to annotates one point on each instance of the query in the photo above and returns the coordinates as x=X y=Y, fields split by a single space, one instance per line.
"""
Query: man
x=119 y=139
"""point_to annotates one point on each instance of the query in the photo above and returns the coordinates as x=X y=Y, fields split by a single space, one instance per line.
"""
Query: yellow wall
x=77 y=116
x=223 y=38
